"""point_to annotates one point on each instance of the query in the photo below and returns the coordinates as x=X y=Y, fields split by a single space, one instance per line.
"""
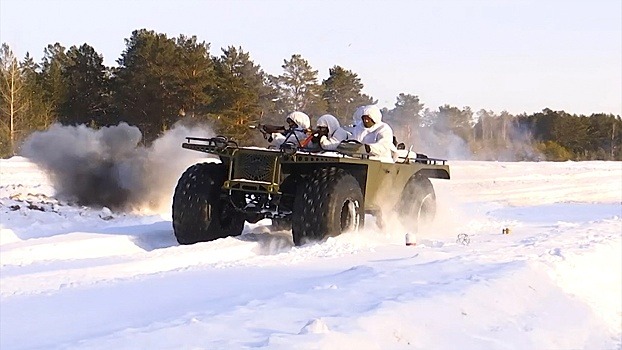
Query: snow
x=74 y=277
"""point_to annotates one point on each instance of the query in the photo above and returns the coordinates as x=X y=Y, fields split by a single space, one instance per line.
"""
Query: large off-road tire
x=328 y=202
x=281 y=224
x=199 y=212
x=417 y=205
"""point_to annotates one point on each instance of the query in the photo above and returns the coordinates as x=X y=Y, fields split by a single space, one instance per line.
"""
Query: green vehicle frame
x=314 y=193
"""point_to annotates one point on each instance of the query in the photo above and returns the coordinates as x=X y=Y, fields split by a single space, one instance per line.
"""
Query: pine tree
x=238 y=94
x=40 y=111
x=194 y=76
x=86 y=88
x=406 y=116
x=342 y=93
x=53 y=81
x=298 y=88
x=458 y=121
x=160 y=80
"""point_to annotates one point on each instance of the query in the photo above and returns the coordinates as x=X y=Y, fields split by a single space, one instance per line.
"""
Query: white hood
x=373 y=112
x=301 y=119
x=329 y=121
x=379 y=137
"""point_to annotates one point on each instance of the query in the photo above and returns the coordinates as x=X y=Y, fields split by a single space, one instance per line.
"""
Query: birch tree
x=12 y=100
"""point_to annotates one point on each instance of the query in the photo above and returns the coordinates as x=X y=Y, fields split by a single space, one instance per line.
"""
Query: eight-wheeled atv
x=315 y=194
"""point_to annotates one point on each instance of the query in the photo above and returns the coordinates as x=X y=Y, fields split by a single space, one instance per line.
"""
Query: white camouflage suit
x=336 y=133
x=299 y=134
x=379 y=137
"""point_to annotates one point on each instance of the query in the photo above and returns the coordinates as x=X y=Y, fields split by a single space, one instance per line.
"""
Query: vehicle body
x=317 y=194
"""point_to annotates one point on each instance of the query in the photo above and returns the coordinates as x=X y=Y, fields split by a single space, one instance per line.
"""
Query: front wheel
x=329 y=202
x=199 y=212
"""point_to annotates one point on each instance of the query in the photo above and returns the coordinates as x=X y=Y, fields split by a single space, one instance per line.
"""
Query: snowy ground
x=74 y=277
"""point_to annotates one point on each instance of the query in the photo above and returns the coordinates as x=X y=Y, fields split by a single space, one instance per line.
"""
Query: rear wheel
x=417 y=205
x=199 y=212
x=328 y=203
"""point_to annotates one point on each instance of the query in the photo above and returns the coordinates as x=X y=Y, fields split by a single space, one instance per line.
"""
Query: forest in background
x=162 y=81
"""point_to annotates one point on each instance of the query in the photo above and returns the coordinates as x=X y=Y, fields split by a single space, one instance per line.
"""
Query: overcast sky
x=519 y=56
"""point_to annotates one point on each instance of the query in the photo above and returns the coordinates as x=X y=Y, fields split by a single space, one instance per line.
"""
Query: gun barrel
x=273 y=128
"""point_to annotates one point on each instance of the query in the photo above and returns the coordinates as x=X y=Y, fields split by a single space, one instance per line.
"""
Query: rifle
x=314 y=135
x=272 y=129
x=307 y=140
x=267 y=130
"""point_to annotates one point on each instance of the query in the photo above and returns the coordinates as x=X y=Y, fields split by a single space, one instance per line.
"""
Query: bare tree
x=11 y=84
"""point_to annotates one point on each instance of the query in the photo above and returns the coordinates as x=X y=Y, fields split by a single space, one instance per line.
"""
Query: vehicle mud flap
x=289 y=189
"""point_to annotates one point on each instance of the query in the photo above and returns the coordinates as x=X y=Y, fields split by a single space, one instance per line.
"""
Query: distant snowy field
x=74 y=277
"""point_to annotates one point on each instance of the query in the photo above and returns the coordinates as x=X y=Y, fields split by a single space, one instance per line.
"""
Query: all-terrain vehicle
x=315 y=194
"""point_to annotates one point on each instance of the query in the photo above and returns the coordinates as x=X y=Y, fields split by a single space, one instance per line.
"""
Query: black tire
x=328 y=203
x=417 y=205
x=199 y=212
x=281 y=224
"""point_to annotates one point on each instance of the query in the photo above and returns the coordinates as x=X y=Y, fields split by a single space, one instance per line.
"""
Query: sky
x=88 y=278
x=518 y=56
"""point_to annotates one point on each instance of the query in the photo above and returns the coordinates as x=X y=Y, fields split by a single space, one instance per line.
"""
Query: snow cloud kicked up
x=109 y=167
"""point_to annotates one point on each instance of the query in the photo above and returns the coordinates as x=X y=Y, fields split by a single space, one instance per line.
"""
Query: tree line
x=160 y=81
